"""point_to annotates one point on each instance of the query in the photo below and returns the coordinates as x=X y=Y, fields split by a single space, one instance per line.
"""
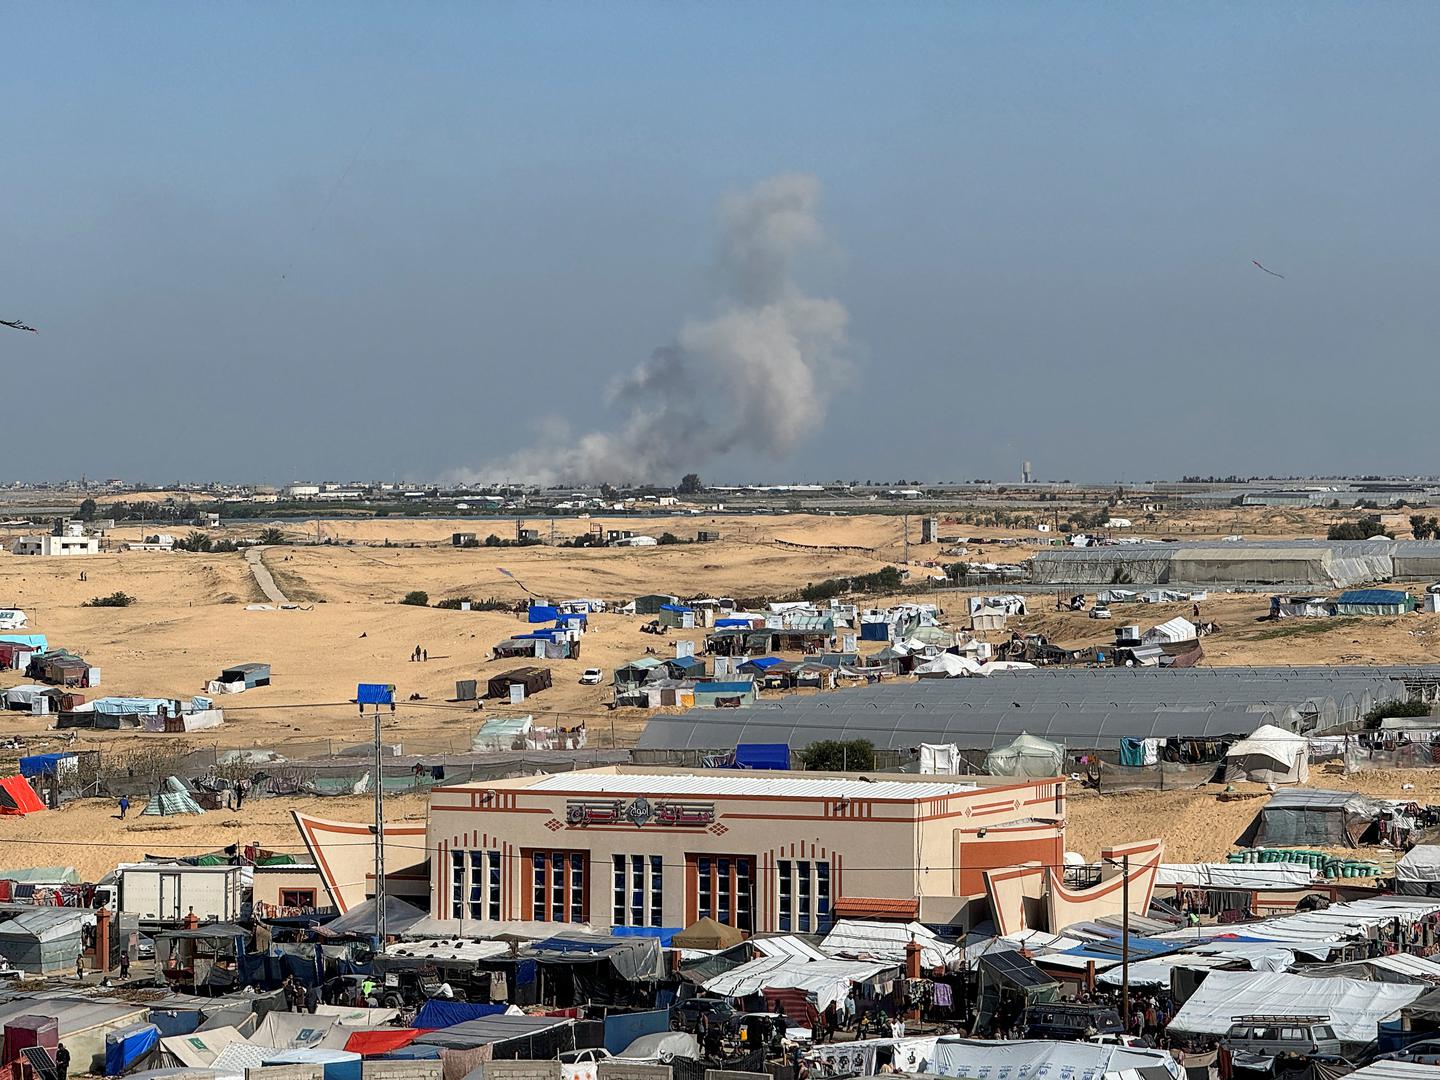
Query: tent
x=45 y=940
x=1303 y=817
x=955 y=1056
x=1418 y=873
x=172 y=798
x=947 y=666
x=1006 y=975
x=1354 y=1007
x=129 y=1047
x=1027 y=756
x=829 y=981
x=199 y=1049
x=1269 y=755
x=381 y=1040
x=332 y=1064
x=1374 y=602
x=706 y=933
x=18 y=797
x=400 y=917
x=1167 y=633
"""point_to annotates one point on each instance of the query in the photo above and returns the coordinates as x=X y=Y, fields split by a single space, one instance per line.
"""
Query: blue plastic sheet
x=436 y=1013
x=128 y=1047
x=762 y=756
x=543 y=613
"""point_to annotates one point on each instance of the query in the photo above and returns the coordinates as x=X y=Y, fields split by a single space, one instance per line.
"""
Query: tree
x=195 y=540
x=417 y=598
x=115 y=599
x=86 y=511
x=1419 y=527
x=1396 y=708
x=668 y=538
x=690 y=484
x=837 y=755
x=272 y=537
x=493 y=541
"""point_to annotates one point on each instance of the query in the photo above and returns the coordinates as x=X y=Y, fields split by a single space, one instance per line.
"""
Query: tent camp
x=1305 y=818
x=947 y=666
x=1027 y=756
x=1270 y=755
x=1418 y=873
x=172 y=798
x=18 y=797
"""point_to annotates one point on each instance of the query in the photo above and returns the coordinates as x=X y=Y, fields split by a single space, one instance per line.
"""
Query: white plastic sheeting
x=947 y=666
x=1027 y=1058
x=1269 y=755
x=939 y=758
x=1236 y=875
x=1354 y=1007
x=862 y=938
x=828 y=980
x=1421 y=863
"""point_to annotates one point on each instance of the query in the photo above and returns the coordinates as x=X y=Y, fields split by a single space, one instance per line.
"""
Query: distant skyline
x=278 y=243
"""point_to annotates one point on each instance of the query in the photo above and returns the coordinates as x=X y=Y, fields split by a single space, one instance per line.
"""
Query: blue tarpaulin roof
x=130 y=706
x=543 y=613
x=675 y=607
x=662 y=933
x=127 y=1047
x=743 y=687
x=732 y=622
x=35 y=641
x=762 y=756
x=689 y=663
x=439 y=1013
x=761 y=663
x=41 y=764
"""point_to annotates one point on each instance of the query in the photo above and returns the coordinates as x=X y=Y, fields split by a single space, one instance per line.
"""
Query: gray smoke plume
x=762 y=366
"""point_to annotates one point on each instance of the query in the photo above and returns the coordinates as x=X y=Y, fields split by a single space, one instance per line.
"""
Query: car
x=1071 y=1020
x=1098 y=612
x=685 y=1015
x=1272 y=1036
x=591 y=676
x=144 y=947
x=1424 y=1052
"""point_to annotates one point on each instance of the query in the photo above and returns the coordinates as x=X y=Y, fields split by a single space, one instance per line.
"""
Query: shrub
x=451 y=603
x=1397 y=708
x=115 y=599
x=417 y=598
x=272 y=537
x=668 y=538
x=839 y=755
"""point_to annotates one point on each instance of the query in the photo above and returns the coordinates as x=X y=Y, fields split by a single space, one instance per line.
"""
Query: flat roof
x=763 y=785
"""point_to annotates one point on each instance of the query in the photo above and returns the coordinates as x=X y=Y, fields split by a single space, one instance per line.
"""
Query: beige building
x=630 y=846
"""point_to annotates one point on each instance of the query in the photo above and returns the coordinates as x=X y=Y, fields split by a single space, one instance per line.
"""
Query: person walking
x=80 y=967
x=62 y=1062
x=425 y=655
x=124 y=806
x=125 y=964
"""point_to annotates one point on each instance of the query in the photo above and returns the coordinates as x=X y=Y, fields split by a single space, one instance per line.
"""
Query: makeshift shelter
x=1311 y=818
x=947 y=666
x=533 y=679
x=248 y=675
x=130 y=1048
x=1301 y=607
x=172 y=798
x=1010 y=983
x=1418 y=873
x=1168 y=633
x=1270 y=755
x=1027 y=756
x=45 y=940
x=1374 y=602
x=1354 y=1007
x=18 y=797
x=706 y=933
x=956 y=1056
x=400 y=918
x=828 y=980
x=199 y=1049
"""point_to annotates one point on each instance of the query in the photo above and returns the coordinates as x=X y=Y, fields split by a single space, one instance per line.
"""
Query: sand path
x=255 y=556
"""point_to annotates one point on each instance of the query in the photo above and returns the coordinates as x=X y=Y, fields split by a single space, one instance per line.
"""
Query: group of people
x=298 y=997
x=420 y=655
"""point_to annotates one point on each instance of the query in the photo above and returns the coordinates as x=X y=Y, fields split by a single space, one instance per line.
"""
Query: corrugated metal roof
x=779 y=787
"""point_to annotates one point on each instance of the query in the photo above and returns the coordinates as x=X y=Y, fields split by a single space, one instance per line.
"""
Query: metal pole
x=1125 y=942
x=379 y=838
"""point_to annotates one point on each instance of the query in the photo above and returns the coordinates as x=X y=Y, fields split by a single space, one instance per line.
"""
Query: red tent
x=382 y=1040
x=18 y=797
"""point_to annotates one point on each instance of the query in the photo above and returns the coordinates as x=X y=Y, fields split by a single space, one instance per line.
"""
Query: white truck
x=163 y=894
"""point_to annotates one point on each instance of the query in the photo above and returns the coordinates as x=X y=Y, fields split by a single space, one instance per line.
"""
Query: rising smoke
x=755 y=376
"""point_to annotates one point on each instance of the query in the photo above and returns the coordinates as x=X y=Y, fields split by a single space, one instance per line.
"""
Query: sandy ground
x=190 y=620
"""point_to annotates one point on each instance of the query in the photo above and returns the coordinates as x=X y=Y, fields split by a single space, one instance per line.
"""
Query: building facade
x=631 y=846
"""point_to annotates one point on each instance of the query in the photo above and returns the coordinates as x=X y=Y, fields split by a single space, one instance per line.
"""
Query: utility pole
x=1125 y=942
x=379 y=837
x=905 y=518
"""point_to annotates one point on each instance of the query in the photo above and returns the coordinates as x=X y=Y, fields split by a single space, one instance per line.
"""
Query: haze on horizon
x=379 y=240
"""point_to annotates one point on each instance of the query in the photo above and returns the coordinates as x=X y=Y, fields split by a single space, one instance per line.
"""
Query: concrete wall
x=286 y=1072
x=404 y=1070
x=611 y=1071
x=522 y=1070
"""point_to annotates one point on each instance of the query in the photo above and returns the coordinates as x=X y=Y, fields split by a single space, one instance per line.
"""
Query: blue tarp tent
x=42 y=764
x=720 y=624
x=762 y=756
x=874 y=631
x=621 y=1029
x=129 y=1047
x=437 y=1013
x=662 y=934
x=543 y=613
x=334 y=1064
x=572 y=617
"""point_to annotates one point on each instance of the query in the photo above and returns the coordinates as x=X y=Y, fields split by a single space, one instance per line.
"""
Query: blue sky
x=284 y=241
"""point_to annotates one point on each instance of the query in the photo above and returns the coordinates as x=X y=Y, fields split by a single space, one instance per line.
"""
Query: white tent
x=1044 y=1057
x=940 y=758
x=1026 y=756
x=1004 y=665
x=947 y=666
x=828 y=980
x=1418 y=873
x=198 y=1049
x=13 y=619
x=1177 y=629
x=1354 y=1007
x=1270 y=755
x=866 y=939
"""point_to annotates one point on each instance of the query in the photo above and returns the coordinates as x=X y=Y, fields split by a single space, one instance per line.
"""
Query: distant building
x=74 y=541
x=303 y=491
x=461 y=539
x=707 y=536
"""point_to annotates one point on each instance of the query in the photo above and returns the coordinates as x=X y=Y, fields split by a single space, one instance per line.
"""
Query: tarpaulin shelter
x=828 y=980
x=1007 y=978
x=632 y=959
x=1309 y=818
x=706 y=933
x=199 y=1049
x=534 y=679
x=1269 y=755
x=955 y=1056
x=1418 y=873
x=947 y=666
x=400 y=917
x=440 y=1013
x=381 y=1040
x=535 y=1037
x=1028 y=756
x=130 y=1047
x=1354 y=1007
x=172 y=798
x=762 y=756
x=1374 y=602
x=47 y=764
x=45 y=940
x=334 y=1063
x=1168 y=633
x=18 y=797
